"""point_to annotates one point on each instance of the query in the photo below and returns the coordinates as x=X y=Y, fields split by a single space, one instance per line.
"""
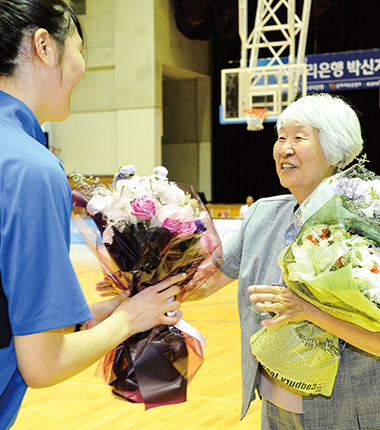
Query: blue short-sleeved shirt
x=39 y=290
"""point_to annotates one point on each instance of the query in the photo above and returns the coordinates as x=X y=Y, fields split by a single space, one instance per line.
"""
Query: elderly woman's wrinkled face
x=300 y=163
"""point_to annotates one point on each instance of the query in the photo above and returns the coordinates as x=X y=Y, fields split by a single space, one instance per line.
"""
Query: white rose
x=99 y=202
x=174 y=195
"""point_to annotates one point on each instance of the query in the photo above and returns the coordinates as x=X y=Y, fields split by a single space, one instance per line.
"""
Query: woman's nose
x=286 y=150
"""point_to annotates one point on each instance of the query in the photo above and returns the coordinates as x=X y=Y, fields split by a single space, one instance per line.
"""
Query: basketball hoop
x=255 y=118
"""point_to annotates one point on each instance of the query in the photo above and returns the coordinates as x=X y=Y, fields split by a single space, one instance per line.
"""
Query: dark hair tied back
x=17 y=17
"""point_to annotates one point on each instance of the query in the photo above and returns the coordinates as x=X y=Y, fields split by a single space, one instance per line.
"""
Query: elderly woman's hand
x=107 y=287
x=287 y=305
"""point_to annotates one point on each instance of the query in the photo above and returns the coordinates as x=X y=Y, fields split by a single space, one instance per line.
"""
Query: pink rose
x=173 y=225
x=170 y=211
x=183 y=229
x=187 y=228
x=144 y=207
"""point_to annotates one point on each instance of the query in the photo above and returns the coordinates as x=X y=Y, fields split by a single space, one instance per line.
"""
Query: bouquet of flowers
x=334 y=263
x=150 y=229
x=335 y=259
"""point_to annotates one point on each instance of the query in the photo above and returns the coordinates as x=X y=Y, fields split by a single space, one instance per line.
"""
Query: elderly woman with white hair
x=317 y=134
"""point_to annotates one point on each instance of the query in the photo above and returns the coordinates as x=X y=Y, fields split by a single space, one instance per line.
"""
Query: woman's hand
x=102 y=310
x=47 y=358
x=291 y=307
x=107 y=288
x=287 y=305
x=150 y=306
x=147 y=308
x=217 y=281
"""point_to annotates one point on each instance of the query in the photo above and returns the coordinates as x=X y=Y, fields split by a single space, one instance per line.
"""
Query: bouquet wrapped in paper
x=333 y=263
x=150 y=229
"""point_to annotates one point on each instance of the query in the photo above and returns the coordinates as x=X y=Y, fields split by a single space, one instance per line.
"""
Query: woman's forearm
x=211 y=286
x=291 y=307
x=48 y=358
x=353 y=334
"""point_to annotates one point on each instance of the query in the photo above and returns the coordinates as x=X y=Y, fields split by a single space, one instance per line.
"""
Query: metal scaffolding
x=272 y=82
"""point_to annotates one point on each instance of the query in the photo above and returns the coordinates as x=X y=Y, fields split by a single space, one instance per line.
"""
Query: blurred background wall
x=151 y=94
x=145 y=99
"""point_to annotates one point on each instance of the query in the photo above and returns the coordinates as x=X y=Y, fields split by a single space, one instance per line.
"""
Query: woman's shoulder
x=271 y=208
x=280 y=198
x=276 y=201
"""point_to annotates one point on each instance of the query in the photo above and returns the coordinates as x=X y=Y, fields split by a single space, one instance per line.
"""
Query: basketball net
x=255 y=118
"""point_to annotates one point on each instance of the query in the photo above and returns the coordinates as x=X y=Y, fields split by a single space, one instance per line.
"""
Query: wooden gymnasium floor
x=214 y=396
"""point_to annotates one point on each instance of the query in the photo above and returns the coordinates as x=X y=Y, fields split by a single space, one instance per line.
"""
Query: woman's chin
x=287 y=182
x=62 y=116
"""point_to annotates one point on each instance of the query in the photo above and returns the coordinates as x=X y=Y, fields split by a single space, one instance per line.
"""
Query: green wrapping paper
x=301 y=355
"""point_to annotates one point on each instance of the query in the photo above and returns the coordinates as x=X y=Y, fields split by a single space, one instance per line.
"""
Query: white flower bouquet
x=334 y=263
x=150 y=229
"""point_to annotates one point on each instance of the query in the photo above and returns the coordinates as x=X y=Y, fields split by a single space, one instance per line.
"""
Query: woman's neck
x=22 y=89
